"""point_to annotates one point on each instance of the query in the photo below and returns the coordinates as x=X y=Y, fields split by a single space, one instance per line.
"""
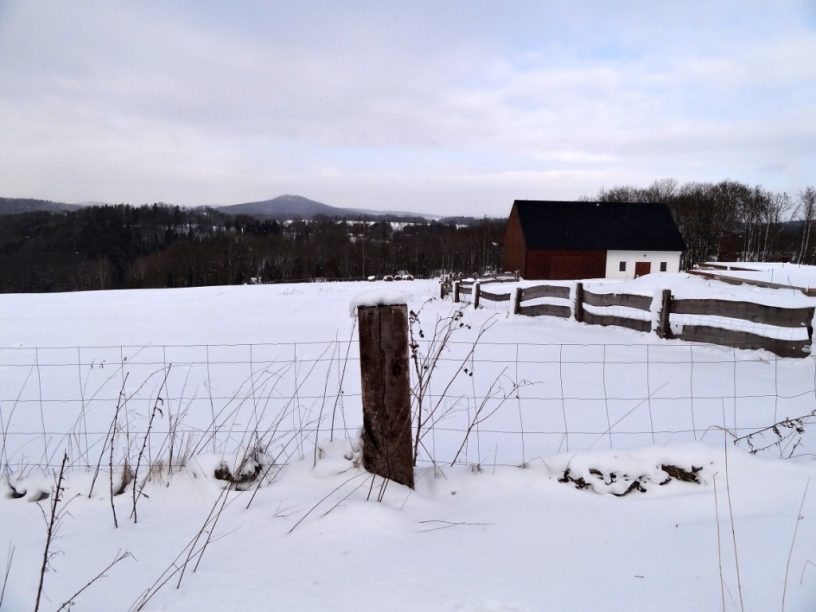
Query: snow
x=689 y=286
x=682 y=286
x=513 y=539
x=796 y=275
x=376 y=298
x=503 y=529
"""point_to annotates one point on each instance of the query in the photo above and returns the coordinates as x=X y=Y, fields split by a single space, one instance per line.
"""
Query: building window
x=622 y=266
x=662 y=266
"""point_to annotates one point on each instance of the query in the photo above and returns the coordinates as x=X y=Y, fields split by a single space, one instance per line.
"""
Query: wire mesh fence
x=197 y=398
x=566 y=397
x=482 y=403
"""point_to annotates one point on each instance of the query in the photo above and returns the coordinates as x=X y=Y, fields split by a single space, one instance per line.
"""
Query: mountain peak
x=287 y=205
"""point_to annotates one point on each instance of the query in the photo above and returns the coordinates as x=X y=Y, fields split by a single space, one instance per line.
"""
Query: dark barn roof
x=588 y=226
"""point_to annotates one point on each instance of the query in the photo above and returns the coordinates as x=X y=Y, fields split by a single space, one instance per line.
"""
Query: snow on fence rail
x=715 y=271
x=800 y=318
x=712 y=321
x=493 y=402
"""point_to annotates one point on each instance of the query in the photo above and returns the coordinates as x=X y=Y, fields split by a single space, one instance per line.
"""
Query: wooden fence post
x=579 y=302
x=517 y=301
x=664 y=325
x=476 y=294
x=387 y=448
x=456 y=291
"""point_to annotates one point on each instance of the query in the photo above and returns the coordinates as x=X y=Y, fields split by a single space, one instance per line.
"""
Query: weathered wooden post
x=387 y=448
x=456 y=291
x=517 y=301
x=476 y=293
x=579 y=302
x=664 y=326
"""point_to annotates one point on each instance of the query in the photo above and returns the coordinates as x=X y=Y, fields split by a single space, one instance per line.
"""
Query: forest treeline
x=733 y=221
x=121 y=247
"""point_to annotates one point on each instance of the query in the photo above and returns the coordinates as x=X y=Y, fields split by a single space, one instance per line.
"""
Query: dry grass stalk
x=52 y=522
x=66 y=605
x=9 y=561
x=425 y=365
x=719 y=543
x=731 y=511
x=153 y=412
x=799 y=517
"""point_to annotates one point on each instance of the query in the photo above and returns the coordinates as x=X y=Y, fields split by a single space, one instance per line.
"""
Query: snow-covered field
x=795 y=275
x=232 y=364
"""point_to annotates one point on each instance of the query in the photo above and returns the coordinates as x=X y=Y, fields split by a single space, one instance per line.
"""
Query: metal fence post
x=387 y=448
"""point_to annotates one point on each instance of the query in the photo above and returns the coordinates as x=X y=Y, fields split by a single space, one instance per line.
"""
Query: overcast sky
x=439 y=107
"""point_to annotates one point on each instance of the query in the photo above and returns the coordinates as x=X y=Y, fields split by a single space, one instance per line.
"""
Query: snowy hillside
x=567 y=466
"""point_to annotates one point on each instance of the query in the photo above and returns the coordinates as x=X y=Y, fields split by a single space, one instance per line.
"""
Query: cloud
x=449 y=107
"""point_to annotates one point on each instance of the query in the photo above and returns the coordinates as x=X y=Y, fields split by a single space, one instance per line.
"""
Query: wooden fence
x=660 y=322
x=715 y=271
x=746 y=311
x=473 y=287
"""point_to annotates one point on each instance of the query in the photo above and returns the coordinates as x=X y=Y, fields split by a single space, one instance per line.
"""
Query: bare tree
x=777 y=207
x=807 y=208
x=692 y=210
x=662 y=190
x=753 y=211
x=622 y=193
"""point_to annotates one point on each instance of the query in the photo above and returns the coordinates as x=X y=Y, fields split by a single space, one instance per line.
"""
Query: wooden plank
x=579 y=302
x=495 y=297
x=465 y=290
x=735 y=280
x=597 y=319
x=718 y=266
x=641 y=302
x=386 y=386
x=497 y=280
x=744 y=340
x=556 y=291
x=748 y=311
x=664 y=326
x=550 y=310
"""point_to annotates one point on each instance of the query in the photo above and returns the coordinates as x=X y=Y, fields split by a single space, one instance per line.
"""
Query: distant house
x=572 y=240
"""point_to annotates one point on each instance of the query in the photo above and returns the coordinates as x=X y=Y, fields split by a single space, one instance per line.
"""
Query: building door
x=642 y=267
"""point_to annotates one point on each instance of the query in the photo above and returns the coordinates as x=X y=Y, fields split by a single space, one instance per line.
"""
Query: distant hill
x=298 y=207
x=13 y=206
x=286 y=206
x=281 y=207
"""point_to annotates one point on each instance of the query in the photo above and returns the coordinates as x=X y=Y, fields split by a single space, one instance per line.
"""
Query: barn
x=572 y=240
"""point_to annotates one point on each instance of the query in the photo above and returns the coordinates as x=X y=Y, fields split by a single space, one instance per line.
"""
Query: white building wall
x=613 y=259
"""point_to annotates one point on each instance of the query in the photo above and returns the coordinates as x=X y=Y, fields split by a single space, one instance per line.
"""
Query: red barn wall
x=513 y=248
x=564 y=265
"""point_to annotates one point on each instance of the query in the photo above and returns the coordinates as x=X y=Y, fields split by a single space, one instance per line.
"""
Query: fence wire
x=489 y=403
